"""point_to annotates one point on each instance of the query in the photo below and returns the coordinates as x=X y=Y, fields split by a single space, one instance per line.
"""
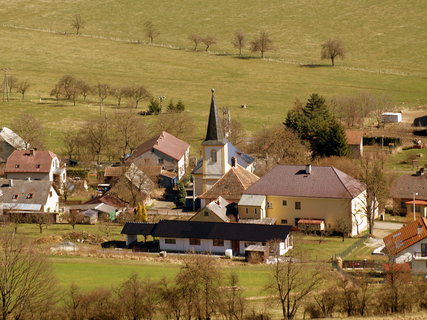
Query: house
x=28 y=196
x=93 y=212
x=355 y=143
x=165 y=150
x=213 y=237
x=35 y=165
x=321 y=195
x=218 y=154
x=409 y=188
x=409 y=244
x=231 y=186
x=9 y=142
x=218 y=210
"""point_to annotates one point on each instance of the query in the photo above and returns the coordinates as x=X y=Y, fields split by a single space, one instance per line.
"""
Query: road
x=387 y=225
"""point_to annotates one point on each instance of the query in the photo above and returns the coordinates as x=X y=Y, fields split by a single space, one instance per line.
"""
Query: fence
x=350 y=249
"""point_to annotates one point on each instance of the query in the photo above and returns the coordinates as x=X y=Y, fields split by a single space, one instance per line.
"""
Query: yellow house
x=324 y=196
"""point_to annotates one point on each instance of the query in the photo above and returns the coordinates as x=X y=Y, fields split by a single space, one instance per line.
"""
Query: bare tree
x=30 y=130
x=12 y=82
x=41 y=219
x=138 y=93
x=208 y=41
x=78 y=23
x=196 y=39
x=119 y=93
x=56 y=92
x=102 y=90
x=27 y=285
x=180 y=125
x=73 y=217
x=96 y=137
x=233 y=304
x=344 y=226
x=292 y=284
x=150 y=31
x=239 y=41
x=23 y=87
x=331 y=49
x=72 y=142
x=84 y=89
x=262 y=44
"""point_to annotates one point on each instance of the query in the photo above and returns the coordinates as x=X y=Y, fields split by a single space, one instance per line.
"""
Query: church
x=218 y=154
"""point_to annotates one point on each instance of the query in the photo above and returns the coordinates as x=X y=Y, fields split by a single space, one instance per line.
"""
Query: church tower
x=214 y=148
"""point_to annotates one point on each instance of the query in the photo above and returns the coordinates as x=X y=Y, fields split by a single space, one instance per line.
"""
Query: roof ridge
x=345 y=187
x=237 y=175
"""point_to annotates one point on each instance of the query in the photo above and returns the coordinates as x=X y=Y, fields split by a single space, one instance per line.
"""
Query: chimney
x=419 y=230
x=233 y=162
x=308 y=169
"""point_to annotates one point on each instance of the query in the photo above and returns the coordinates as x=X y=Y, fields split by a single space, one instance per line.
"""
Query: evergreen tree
x=154 y=106
x=182 y=194
x=180 y=106
x=316 y=125
x=171 y=107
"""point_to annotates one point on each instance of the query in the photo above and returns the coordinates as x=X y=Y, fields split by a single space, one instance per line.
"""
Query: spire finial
x=213 y=90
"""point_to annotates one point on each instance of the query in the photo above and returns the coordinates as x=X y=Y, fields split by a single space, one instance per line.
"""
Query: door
x=423 y=249
x=235 y=246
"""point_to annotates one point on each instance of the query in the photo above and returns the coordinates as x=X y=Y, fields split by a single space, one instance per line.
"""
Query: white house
x=165 y=150
x=35 y=165
x=218 y=154
x=209 y=237
x=28 y=196
x=409 y=244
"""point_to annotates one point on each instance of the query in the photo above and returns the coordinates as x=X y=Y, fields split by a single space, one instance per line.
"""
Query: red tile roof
x=421 y=202
x=311 y=221
x=294 y=181
x=231 y=185
x=165 y=143
x=406 y=236
x=354 y=137
x=30 y=161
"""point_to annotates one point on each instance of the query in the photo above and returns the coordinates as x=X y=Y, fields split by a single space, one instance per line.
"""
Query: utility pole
x=5 y=85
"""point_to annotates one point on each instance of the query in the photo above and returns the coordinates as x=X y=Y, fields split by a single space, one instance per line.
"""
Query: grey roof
x=22 y=206
x=209 y=230
x=12 y=138
x=219 y=207
x=259 y=221
x=294 y=181
x=21 y=189
x=257 y=248
x=405 y=186
x=198 y=167
x=251 y=200
x=214 y=133
x=101 y=207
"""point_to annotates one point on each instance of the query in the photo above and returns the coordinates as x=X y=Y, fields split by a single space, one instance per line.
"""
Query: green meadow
x=386 y=46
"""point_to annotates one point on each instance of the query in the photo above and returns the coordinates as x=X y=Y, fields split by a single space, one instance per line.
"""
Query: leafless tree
x=27 y=284
x=78 y=23
x=138 y=93
x=30 y=130
x=208 y=41
x=180 y=125
x=56 y=92
x=344 y=226
x=15 y=218
x=72 y=142
x=150 y=31
x=102 y=90
x=41 y=219
x=119 y=93
x=96 y=137
x=331 y=49
x=239 y=41
x=23 y=87
x=233 y=304
x=196 y=39
x=73 y=217
x=262 y=43
x=84 y=89
x=292 y=284
x=12 y=82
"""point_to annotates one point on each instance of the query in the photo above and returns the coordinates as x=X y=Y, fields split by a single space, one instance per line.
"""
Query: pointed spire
x=214 y=133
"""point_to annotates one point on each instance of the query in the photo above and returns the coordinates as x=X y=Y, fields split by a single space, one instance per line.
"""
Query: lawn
x=268 y=87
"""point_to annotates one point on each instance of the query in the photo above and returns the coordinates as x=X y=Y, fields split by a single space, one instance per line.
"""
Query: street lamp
x=413 y=204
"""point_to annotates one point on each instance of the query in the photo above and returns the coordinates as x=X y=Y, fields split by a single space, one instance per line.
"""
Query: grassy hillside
x=385 y=44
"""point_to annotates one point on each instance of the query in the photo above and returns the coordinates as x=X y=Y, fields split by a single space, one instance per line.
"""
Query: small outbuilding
x=390 y=117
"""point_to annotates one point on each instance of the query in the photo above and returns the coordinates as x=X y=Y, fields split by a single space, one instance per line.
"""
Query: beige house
x=218 y=155
x=313 y=194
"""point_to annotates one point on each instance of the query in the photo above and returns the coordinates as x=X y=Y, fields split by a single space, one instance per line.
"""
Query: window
x=284 y=203
x=218 y=243
x=297 y=205
x=194 y=242
x=206 y=214
x=284 y=221
x=15 y=196
x=50 y=194
x=37 y=166
x=170 y=241
x=29 y=196
x=16 y=165
x=214 y=156
x=247 y=210
x=256 y=211
x=269 y=205
x=160 y=161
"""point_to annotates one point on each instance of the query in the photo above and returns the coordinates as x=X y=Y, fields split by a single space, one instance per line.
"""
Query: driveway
x=387 y=225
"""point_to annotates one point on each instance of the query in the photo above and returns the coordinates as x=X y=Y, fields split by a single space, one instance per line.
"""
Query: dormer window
x=16 y=165
x=14 y=197
x=29 y=196
x=214 y=156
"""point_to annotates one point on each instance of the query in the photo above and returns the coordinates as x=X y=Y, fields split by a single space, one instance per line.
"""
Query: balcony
x=419 y=255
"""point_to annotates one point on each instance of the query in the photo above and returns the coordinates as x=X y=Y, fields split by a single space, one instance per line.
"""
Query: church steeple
x=214 y=133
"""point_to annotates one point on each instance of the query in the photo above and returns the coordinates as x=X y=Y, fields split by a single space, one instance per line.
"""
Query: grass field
x=386 y=45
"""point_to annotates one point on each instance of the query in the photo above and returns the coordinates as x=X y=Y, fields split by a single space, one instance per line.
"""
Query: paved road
x=387 y=225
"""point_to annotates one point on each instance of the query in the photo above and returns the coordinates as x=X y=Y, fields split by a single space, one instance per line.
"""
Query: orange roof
x=30 y=161
x=422 y=202
x=354 y=137
x=311 y=221
x=406 y=236
x=165 y=143
x=231 y=185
